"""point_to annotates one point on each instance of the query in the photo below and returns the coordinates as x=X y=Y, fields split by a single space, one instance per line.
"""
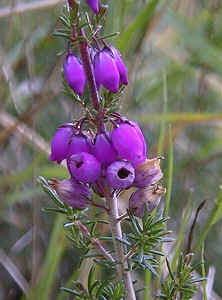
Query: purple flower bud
x=120 y=175
x=77 y=144
x=103 y=149
x=129 y=142
x=147 y=173
x=74 y=73
x=101 y=187
x=150 y=195
x=94 y=4
x=120 y=65
x=84 y=167
x=73 y=193
x=60 y=142
x=106 y=71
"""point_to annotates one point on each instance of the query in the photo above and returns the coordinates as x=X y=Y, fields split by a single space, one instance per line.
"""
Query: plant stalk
x=116 y=231
x=94 y=241
x=89 y=72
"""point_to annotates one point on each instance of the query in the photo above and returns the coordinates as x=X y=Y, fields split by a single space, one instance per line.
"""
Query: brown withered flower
x=150 y=195
x=148 y=172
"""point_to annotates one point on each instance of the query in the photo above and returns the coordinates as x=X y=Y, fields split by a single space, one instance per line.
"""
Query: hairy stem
x=89 y=72
x=94 y=241
x=117 y=233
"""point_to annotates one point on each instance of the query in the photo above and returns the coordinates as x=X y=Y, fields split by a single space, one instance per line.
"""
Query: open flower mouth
x=123 y=173
x=79 y=164
x=120 y=174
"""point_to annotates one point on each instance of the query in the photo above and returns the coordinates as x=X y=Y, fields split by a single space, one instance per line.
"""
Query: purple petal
x=74 y=73
x=129 y=143
x=120 y=175
x=60 y=143
x=94 y=4
x=106 y=72
x=77 y=144
x=104 y=150
x=120 y=65
x=84 y=167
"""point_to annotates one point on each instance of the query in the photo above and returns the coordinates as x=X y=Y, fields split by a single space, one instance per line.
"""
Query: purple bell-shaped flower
x=106 y=71
x=94 y=5
x=66 y=142
x=74 y=73
x=129 y=142
x=77 y=144
x=120 y=65
x=73 y=193
x=104 y=150
x=148 y=172
x=60 y=142
x=120 y=175
x=84 y=167
x=150 y=195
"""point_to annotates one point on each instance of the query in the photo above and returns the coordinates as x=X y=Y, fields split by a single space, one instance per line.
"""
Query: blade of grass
x=169 y=174
x=170 y=170
x=163 y=122
x=179 y=117
x=182 y=232
x=139 y=24
x=215 y=215
x=147 y=284
x=54 y=254
x=203 y=273
x=14 y=272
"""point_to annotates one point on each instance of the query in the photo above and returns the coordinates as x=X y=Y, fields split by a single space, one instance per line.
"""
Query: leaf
x=54 y=210
x=124 y=241
x=215 y=215
x=169 y=174
x=70 y=291
x=170 y=271
x=56 y=248
x=139 y=24
x=53 y=195
x=151 y=268
x=90 y=277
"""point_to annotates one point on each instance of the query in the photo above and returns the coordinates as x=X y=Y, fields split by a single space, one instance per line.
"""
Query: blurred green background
x=173 y=50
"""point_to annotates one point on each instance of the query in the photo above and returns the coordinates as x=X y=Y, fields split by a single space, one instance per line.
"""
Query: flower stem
x=89 y=71
x=94 y=241
x=122 y=267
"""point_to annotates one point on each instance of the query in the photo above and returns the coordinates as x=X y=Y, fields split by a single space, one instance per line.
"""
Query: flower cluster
x=109 y=161
x=113 y=155
x=109 y=70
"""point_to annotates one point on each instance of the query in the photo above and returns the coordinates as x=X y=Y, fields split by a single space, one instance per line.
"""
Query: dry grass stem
x=28 y=7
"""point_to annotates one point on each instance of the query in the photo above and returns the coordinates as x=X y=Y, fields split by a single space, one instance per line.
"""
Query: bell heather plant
x=106 y=154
